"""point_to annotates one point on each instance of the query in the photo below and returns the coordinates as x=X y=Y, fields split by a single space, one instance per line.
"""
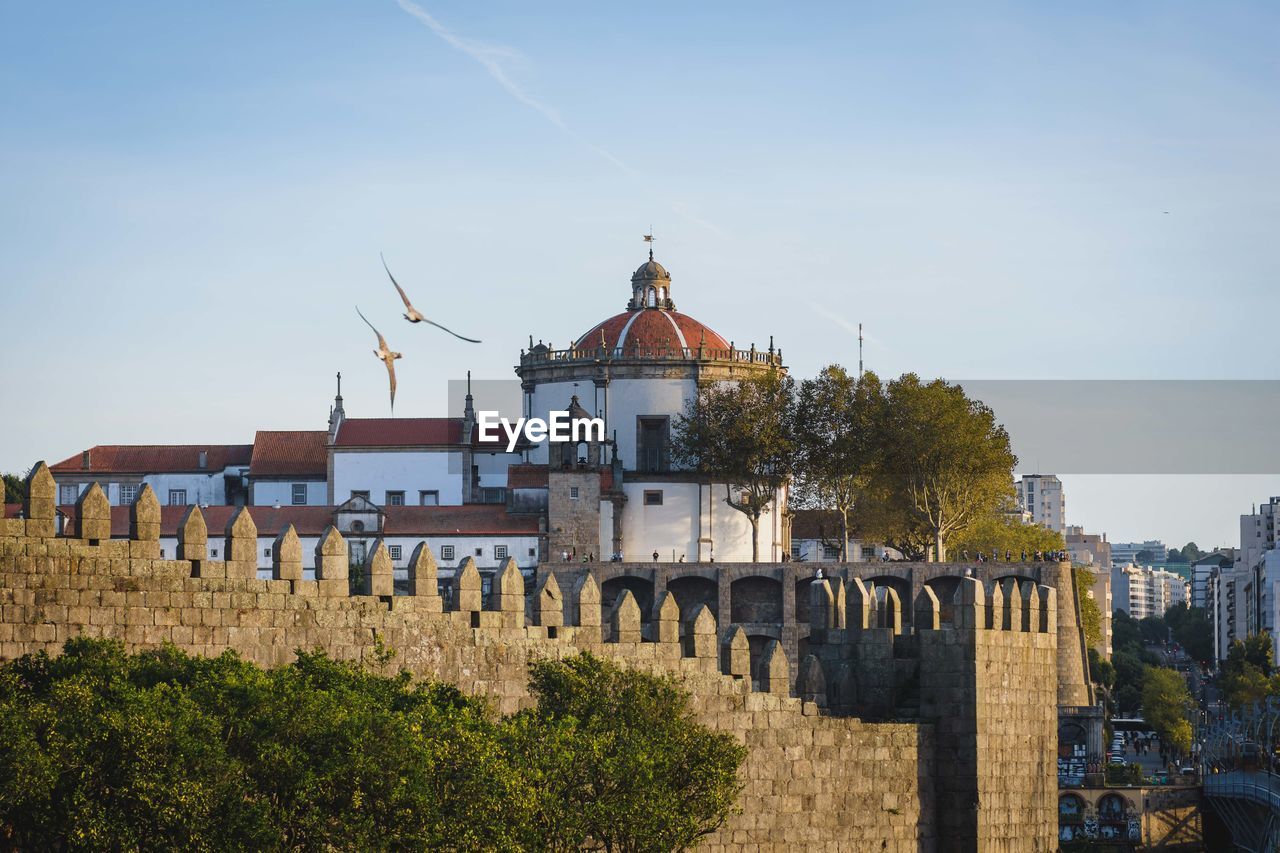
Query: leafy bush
x=100 y=749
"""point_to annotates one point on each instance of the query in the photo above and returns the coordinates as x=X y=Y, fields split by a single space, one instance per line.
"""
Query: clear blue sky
x=193 y=196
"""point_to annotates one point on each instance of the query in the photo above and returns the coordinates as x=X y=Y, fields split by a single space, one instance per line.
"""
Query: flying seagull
x=413 y=315
x=384 y=353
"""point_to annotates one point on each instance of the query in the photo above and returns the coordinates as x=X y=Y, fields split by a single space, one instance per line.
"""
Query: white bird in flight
x=413 y=315
x=384 y=353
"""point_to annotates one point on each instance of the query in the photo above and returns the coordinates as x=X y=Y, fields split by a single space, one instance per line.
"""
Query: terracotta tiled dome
x=651 y=327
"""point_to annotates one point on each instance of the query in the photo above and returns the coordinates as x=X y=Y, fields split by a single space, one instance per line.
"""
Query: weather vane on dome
x=649 y=238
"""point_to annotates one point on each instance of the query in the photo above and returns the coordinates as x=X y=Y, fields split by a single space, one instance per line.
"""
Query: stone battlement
x=815 y=777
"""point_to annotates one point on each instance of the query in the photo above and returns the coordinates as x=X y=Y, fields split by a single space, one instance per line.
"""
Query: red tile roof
x=296 y=453
x=531 y=476
x=525 y=476
x=472 y=519
x=399 y=432
x=155 y=458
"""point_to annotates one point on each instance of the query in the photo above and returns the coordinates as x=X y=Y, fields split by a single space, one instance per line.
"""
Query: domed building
x=637 y=370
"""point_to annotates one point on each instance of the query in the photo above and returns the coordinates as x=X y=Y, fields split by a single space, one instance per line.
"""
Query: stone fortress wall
x=963 y=759
x=771 y=601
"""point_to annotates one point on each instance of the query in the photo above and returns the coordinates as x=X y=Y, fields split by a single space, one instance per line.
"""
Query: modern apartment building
x=1041 y=495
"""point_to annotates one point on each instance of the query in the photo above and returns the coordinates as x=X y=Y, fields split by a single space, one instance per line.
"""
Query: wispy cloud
x=491 y=58
x=488 y=55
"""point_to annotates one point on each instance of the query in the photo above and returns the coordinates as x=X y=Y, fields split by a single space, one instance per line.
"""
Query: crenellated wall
x=815 y=777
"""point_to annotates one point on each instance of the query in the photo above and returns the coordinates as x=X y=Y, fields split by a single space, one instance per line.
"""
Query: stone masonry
x=816 y=777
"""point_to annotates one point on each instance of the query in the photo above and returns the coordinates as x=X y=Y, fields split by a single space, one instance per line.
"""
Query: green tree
x=740 y=433
x=945 y=462
x=834 y=430
x=1247 y=673
x=998 y=532
x=15 y=488
x=1144 y=556
x=1128 y=698
x=1090 y=614
x=1165 y=701
x=1192 y=630
x=644 y=775
x=1101 y=670
x=104 y=750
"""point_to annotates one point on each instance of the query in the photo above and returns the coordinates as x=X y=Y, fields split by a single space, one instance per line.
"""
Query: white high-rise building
x=1124 y=553
x=1143 y=591
x=1041 y=495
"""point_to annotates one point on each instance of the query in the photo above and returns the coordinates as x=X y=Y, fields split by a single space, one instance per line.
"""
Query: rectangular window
x=299 y=494
x=177 y=497
x=653 y=443
x=868 y=551
x=830 y=552
x=395 y=498
x=394 y=551
x=429 y=497
x=68 y=494
x=500 y=552
x=531 y=552
x=446 y=552
x=573 y=493
x=479 y=552
x=653 y=497
x=128 y=493
x=266 y=552
x=796 y=551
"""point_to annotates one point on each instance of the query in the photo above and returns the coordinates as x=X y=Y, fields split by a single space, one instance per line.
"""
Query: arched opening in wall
x=758 y=643
x=945 y=589
x=581 y=449
x=802 y=601
x=1021 y=579
x=900 y=586
x=641 y=588
x=755 y=599
x=1113 y=817
x=651 y=298
x=1070 y=817
x=691 y=593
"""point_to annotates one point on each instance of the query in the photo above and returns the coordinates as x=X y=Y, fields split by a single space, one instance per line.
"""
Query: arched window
x=652 y=299
x=1070 y=808
x=1111 y=807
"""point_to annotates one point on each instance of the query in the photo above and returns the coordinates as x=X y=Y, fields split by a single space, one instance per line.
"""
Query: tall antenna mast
x=859 y=352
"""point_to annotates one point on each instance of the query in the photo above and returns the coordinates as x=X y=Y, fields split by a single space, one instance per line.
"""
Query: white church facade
x=620 y=498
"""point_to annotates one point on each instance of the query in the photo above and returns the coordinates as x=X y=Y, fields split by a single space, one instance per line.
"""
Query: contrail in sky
x=490 y=57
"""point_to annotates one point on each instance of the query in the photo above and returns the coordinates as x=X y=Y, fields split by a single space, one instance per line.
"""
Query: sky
x=193 y=199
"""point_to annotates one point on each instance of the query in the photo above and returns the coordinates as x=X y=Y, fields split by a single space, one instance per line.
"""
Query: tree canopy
x=999 y=532
x=834 y=427
x=1165 y=701
x=100 y=749
x=945 y=462
x=741 y=433
x=15 y=488
x=1248 y=674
